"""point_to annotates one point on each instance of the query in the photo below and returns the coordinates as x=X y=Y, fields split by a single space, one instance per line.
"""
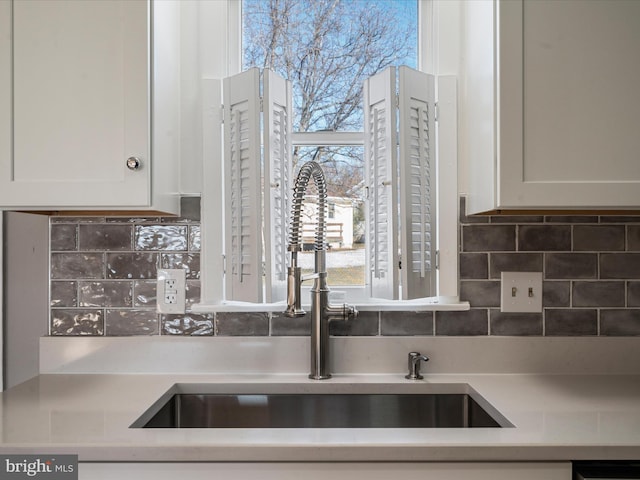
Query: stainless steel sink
x=182 y=407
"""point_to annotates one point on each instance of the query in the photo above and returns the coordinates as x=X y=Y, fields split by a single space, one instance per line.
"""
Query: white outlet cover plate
x=177 y=293
x=520 y=300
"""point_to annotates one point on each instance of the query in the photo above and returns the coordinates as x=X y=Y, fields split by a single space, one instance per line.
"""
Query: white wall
x=202 y=22
x=26 y=293
x=453 y=19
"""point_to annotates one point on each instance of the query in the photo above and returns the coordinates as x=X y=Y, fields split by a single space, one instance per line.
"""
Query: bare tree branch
x=327 y=48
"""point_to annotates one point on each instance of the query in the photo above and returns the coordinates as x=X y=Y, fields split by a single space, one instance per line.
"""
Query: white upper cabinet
x=87 y=122
x=553 y=104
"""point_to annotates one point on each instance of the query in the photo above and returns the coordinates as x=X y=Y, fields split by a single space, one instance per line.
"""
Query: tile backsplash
x=590 y=265
x=103 y=271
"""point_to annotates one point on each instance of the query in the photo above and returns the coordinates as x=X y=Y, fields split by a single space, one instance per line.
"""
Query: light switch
x=521 y=292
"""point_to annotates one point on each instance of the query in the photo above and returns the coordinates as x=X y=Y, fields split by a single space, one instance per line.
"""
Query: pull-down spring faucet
x=321 y=311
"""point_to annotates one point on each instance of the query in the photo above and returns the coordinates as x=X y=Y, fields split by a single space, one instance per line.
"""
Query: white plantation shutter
x=277 y=167
x=243 y=205
x=381 y=184
x=417 y=182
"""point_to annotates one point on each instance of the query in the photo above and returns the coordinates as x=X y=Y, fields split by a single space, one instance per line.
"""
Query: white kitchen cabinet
x=322 y=471
x=552 y=105
x=84 y=87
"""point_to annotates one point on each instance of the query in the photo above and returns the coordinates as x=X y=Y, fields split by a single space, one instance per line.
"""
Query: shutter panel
x=277 y=166
x=417 y=182
x=243 y=240
x=381 y=183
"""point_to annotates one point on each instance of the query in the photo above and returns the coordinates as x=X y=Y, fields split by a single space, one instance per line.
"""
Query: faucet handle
x=350 y=312
x=414 y=359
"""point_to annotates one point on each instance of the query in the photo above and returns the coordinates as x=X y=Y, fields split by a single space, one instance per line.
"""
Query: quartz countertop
x=555 y=417
x=567 y=398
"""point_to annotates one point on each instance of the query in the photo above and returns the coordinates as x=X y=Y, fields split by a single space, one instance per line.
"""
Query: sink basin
x=190 y=406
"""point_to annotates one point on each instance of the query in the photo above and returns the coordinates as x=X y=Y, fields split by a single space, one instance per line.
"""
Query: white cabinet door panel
x=550 y=115
x=568 y=103
x=80 y=105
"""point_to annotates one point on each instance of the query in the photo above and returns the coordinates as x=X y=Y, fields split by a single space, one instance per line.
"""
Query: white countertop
x=556 y=417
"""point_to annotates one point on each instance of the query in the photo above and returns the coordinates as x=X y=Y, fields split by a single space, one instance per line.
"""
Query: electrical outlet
x=521 y=292
x=171 y=290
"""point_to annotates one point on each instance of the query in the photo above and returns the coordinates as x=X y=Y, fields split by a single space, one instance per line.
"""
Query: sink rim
x=319 y=389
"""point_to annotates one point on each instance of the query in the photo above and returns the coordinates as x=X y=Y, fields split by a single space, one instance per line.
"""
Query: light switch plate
x=171 y=290
x=521 y=292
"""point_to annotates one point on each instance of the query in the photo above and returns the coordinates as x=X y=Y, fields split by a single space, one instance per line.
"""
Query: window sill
x=427 y=304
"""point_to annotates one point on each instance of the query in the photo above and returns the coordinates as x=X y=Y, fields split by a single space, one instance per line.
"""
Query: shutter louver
x=243 y=240
x=381 y=184
x=417 y=184
x=277 y=166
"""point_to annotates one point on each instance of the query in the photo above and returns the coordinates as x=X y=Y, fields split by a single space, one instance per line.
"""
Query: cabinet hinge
x=261 y=105
x=436 y=112
x=397 y=100
x=437 y=260
x=221 y=113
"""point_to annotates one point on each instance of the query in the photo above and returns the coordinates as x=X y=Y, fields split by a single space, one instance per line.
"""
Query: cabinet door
x=568 y=105
x=80 y=103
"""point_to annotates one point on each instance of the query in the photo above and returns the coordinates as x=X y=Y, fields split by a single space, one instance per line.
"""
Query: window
x=369 y=187
x=327 y=49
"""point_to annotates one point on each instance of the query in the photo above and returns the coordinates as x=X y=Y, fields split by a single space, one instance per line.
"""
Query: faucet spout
x=322 y=312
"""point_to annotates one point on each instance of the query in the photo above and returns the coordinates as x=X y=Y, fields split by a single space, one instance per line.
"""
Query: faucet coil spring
x=308 y=171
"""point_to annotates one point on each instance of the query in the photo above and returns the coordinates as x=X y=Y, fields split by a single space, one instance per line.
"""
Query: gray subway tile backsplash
x=560 y=266
x=282 y=325
x=556 y=293
x=161 y=237
x=78 y=321
x=620 y=265
x=598 y=238
x=103 y=279
x=66 y=266
x=242 y=324
x=105 y=294
x=472 y=322
x=515 y=324
x=599 y=294
x=104 y=237
x=474 y=265
x=480 y=293
x=633 y=238
x=488 y=238
x=514 y=262
x=569 y=322
x=365 y=324
x=64 y=237
x=633 y=294
x=620 y=322
x=189 y=324
x=63 y=294
x=126 y=322
x=544 y=237
x=406 y=323
x=131 y=265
